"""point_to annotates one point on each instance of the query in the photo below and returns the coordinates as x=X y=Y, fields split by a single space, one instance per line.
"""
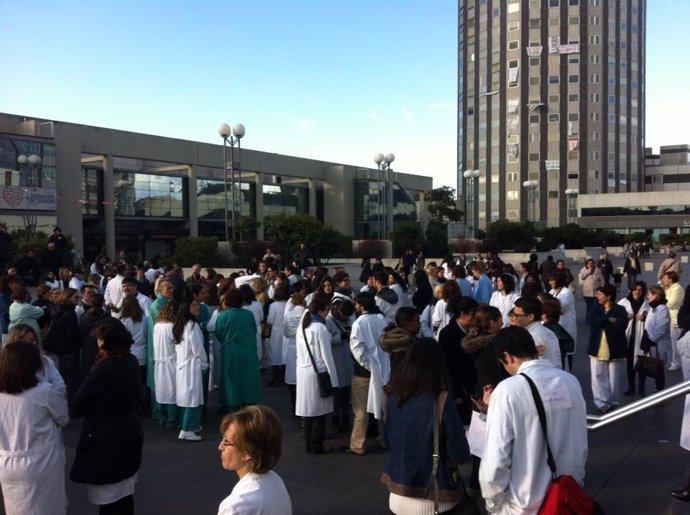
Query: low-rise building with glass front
x=111 y=189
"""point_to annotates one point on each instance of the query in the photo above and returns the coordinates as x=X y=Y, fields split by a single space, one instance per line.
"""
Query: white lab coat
x=513 y=474
x=568 y=319
x=291 y=322
x=440 y=317
x=547 y=338
x=51 y=375
x=639 y=325
x=113 y=291
x=309 y=401
x=139 y=332
x=504 y=302
x=365 y=348
x=276 y=313
x=191 y=361
x=32 y=456
x=164 y=362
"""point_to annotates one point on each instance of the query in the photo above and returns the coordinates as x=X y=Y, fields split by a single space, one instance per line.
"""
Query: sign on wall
x=20 y=197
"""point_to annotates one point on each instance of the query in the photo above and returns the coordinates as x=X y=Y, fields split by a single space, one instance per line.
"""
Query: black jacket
x=64 y=335
x=460 y=367
x=111 y=440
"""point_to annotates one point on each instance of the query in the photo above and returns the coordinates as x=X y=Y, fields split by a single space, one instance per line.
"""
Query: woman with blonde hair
x=49 y=372
x=251 y=445
x=165 y=364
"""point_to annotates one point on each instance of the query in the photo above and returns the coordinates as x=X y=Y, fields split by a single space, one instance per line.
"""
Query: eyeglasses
x=224 y=442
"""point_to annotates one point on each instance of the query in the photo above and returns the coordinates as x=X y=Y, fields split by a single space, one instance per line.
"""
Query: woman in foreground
x=251 y=446
x=32 y=457
x=418 y=384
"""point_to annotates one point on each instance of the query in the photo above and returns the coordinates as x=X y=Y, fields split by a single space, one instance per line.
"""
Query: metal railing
x=596 y=422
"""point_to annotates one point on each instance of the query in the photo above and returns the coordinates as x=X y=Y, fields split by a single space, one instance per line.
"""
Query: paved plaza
x=632 y=465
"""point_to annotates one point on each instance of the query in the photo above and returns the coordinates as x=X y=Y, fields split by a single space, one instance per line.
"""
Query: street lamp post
x=233 y=137
x=531 y=198
x=470 y=178
x=572 y=194
x=383 y=164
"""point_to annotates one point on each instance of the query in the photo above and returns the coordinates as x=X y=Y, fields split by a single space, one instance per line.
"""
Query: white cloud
x=409 y=116
x=306 y=123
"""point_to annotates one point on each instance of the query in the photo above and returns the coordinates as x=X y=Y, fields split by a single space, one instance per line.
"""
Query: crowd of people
x=115 y=341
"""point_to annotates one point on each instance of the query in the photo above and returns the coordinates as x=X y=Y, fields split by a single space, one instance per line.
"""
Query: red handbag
x=565 y=496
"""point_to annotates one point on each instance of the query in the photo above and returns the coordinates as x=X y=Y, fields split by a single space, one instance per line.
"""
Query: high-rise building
x=550 y=98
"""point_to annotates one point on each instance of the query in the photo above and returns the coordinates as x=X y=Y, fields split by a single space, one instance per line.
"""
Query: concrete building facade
x=550 y=92
x=116 y=189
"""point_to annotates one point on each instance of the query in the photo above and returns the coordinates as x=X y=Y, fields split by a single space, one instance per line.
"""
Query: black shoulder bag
x=325 y=387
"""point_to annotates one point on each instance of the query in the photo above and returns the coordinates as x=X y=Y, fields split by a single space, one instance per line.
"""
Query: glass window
x=91 y=191
x=141 y=194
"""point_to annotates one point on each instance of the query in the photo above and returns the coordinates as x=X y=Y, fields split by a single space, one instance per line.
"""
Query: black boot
x=275 y=380
x=683 y=493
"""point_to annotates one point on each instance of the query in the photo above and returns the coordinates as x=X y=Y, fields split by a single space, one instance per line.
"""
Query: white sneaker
x=673 y=367
x=189 y=435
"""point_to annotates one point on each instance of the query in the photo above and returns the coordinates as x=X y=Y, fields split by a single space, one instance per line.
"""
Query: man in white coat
x=527 y=314
x=514 y=475
x=113 y=290
x=372 y=371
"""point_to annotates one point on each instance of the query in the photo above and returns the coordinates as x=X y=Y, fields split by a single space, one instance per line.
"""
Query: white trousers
x=675 y=358
x=607 y=381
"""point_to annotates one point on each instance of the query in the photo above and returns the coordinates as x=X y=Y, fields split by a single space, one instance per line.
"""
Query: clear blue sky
x=324 y=79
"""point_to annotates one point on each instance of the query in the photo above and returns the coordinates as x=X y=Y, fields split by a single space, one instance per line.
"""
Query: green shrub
x=201 y=249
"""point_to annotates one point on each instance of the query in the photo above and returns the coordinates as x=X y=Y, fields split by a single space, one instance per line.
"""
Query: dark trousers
x=124 y=506
x=314 y=433
x=68 y=365
x=631 y=279
x=341 y=408
x=630 y=357
x=144 y=404
x=589 y=303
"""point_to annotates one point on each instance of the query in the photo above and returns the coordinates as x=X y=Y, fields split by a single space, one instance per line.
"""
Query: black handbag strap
x=439 y=405
x=311 y=356
x=542 y=420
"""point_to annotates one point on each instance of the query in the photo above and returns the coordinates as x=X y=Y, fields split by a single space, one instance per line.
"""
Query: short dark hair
x=340 y=276
x=558 y=276
x=367 y=301
x=457 y=305
x=516 y=341
x=551 y=308
x=234 y=298
x=405 y=315
x=530 y=306
x=381 y=277
x=608 y=289
x=130 y=280
x=19 y=363
x=259 y=434
x=116 y=338
x=282 y=292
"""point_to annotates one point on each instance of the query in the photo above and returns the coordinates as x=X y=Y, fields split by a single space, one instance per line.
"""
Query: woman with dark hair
x=504 y=297
x=658 y=328
x=64 y=339
x=109 y=451
x=314 y=355
x=418 y=385
x=88 y=320
x=607 y=348
x=136 y=322
x=636 y=306
x=424 y=295
x=325 y=287
x=251 y=446
x=397 y=337
x=240 y=382
x=32 y=474
x=191 y=362
x=568 y=319
x=20 y=311
x=399 y=286
x=550 y=318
